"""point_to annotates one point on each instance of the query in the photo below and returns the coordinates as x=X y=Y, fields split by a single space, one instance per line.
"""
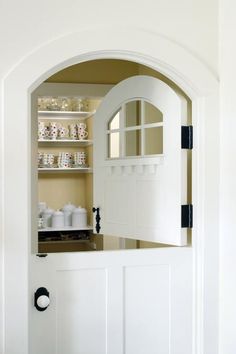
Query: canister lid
x=48 y=211
x=58 y=213
x=68 y=207
x=79 y=210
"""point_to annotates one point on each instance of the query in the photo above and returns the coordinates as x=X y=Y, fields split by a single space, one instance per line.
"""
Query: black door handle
x=98 y=218
x=41 y=299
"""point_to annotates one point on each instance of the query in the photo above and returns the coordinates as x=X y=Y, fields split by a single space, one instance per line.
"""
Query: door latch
x=98 y=218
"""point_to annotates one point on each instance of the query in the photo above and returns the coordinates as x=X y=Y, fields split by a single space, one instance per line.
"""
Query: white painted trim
x=167 y=57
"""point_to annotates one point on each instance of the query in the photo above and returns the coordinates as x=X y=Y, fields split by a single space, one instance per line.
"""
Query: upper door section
x=138 y=162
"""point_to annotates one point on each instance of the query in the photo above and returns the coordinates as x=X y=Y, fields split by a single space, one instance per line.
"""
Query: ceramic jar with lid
x=41 y=207
x=67 y=210
x=79 y=217
x=57 y=219
x=47 y=217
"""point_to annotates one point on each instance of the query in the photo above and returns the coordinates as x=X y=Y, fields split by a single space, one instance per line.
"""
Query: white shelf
x=66 y=242
x=64 y=142
x=64 y=115
x=65 y=228
x=66 y=170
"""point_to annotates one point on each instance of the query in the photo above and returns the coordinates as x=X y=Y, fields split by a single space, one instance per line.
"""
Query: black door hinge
x=187 y=216
x=187 y=137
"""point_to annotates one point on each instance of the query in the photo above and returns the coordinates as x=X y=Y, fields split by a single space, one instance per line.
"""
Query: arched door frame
x=194 y=78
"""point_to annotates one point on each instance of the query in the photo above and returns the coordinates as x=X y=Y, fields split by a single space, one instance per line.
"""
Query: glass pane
x=153 y=141
x=133 y=113
x=114 y=122
x=152 y=114
x=133 y=143
x=114 y=145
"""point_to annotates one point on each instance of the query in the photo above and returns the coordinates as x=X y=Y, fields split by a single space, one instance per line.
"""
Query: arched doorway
x=27 y=81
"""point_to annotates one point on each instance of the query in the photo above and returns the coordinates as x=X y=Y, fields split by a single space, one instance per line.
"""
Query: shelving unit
x=65 y=170
x=57 y=185
x=64 y=143
x=61 y=242
x=65 y=115
x=65 y=228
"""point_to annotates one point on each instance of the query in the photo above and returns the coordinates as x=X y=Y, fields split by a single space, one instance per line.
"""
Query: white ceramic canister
x=41 y=207
x=67 y=210
x=57 y=219
x=79 y=217
x=47 y=217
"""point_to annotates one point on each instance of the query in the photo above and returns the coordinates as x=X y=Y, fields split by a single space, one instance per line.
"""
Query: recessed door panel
x=147 y=308
x=81 y=311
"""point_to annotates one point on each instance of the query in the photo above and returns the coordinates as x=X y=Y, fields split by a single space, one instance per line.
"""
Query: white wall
x=228 y=178
x=27 y=25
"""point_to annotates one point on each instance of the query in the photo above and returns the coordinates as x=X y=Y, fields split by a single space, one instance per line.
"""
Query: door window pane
x=133 y=113
x=114 y=145
x=153 y=141
x=133 y=143
x=152 y=114
x=114 y=123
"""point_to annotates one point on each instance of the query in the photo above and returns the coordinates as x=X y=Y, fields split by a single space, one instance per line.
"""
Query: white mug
x=62 y=132
x=81 y=126
x=82 y=134
x=73 y=131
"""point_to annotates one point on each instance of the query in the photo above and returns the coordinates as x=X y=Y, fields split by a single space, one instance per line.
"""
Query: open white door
x=139 y=167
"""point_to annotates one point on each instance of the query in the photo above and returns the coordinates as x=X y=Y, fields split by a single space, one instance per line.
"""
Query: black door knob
x=41 y=299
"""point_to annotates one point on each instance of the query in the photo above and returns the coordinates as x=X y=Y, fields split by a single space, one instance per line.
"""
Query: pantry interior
x=70 y=98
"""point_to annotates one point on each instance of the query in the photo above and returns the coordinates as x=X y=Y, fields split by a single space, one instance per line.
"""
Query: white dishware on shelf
x=67 y=210
x=53 y=130
x=58 y=219
x=40 y=223
x=79 y=158
x=41 y=207
x=82 y=135
x=64 y=160
x=47 y=217
x=73 y=131
x=79 y=217
x=41 y=130
x=81 y=126
x=62 y=132
x=46 y=160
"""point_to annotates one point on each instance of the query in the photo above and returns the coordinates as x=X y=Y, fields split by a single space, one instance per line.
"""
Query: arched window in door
x=135 y=130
